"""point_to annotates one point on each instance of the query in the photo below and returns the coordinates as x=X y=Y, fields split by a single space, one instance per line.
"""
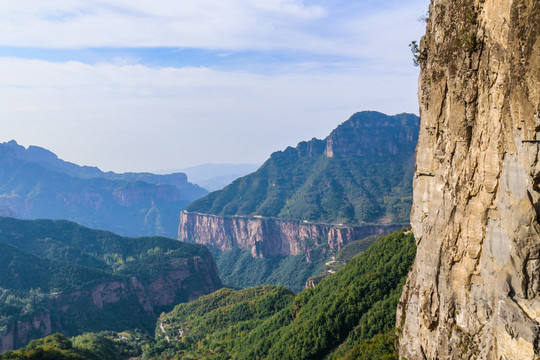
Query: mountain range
x=362 y=172
x=461 y=283
x=35 y=183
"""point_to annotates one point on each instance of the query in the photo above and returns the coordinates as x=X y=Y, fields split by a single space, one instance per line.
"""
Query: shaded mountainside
x=348 y=315
x=474 y=290
x=361 y=172
x=34 y=183
x=341 y=258
x=238 y=269
x=62 y=277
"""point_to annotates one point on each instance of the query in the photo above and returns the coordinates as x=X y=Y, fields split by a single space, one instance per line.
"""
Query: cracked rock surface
x=474 y=290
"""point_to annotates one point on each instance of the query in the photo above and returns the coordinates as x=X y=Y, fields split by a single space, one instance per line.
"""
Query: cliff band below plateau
x=265 y=237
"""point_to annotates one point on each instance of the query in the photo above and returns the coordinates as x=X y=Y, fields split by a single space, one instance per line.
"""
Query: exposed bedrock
x=265 y=237
x=473 y=292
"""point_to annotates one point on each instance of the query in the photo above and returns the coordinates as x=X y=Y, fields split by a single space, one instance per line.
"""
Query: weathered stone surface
x=474 y=290
x=265 y=237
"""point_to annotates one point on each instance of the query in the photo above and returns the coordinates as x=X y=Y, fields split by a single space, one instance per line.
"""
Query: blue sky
x=143 y=86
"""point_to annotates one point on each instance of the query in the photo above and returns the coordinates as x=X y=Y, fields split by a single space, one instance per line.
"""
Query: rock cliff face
x=474 y=290
x=99 y=307
x=265 y=237
x=20 y=332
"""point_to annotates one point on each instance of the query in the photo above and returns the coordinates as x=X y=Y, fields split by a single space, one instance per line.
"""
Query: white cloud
x=122 y=115
x=139 y=118
x=291 y=25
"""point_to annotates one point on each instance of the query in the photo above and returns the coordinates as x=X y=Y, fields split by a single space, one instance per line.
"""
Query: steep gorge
x=474 y=290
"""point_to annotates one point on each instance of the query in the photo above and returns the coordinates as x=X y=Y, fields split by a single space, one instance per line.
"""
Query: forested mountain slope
x=349 y=315
x=361 y=172
x=60 y=276
x=280 y=224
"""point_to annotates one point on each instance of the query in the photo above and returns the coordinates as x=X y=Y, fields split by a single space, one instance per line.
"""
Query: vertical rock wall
x=265 y=237
x=474 y=290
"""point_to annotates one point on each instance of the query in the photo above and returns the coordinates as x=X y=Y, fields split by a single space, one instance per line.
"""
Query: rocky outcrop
x=21 y=332
x=265 y=237
x=92 y=309
x=474 y=290
x=314 y=281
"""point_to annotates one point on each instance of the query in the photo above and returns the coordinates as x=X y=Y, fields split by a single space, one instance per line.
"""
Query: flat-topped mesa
x=265 y=237
x=474 y=290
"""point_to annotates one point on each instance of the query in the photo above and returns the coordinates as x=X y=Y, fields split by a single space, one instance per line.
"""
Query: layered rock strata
x=474 y=290
x=265 y=237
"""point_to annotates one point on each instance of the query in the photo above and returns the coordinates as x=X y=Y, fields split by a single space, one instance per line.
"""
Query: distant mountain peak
x=35 y=183
x=373 y=158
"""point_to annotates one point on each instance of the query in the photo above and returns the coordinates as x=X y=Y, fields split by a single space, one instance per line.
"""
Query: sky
x=133 y=85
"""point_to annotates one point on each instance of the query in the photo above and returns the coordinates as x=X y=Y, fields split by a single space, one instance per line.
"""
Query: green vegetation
x=44 y=260
x=349 y=315
x=54 y=347
x=419 y=56
x=367 y=178
x=89 y=346
x=23 y=272
x=238 y=269
x=69 y=242
x=354 y=248
x=340 y=259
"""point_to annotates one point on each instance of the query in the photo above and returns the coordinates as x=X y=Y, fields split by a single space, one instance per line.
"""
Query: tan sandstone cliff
x=474 y=290
x=265 y=237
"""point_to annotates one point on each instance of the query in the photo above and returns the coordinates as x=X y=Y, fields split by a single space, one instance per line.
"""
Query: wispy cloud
x=139 y=85
x=269 y=25
x=135 y=117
